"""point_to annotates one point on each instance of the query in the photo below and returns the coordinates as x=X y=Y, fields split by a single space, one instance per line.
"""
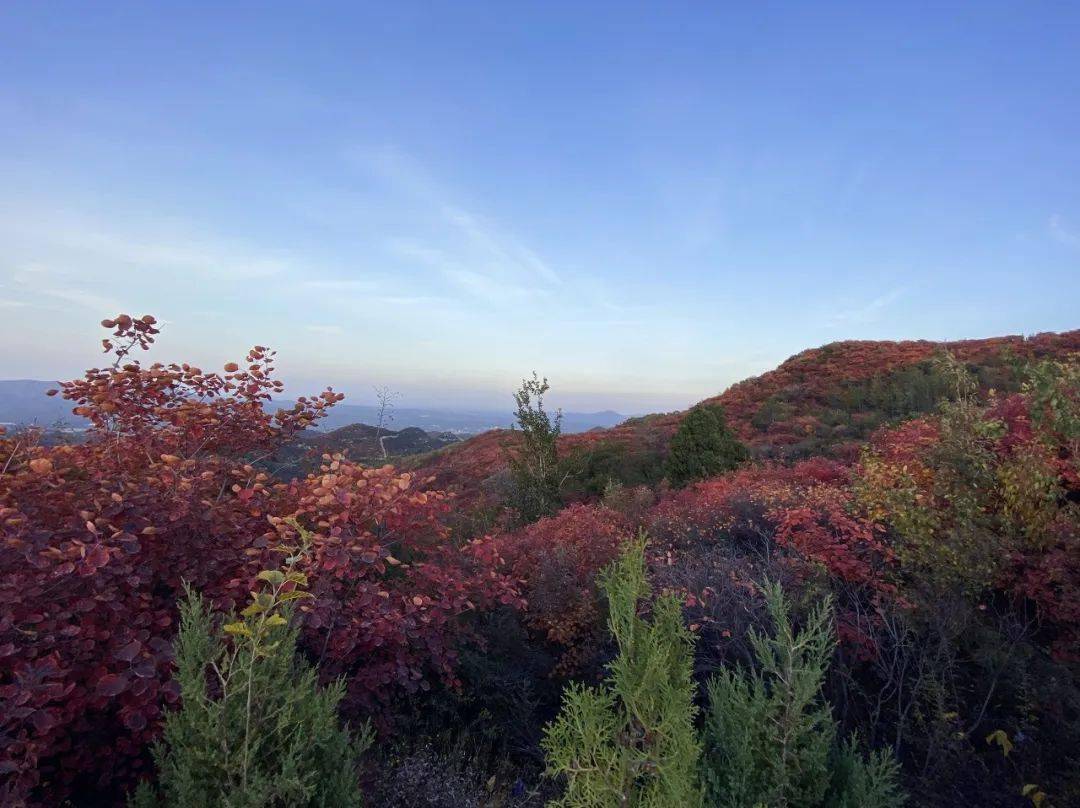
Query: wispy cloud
x=468 y=249
x=491 y=289
x=491 y=286
x=1061 y=233
x=146 y=246
x=341 y=285
x=40 y=281
x=80 y=297
x=325 y=330
x=507 y=252
x=865 y=313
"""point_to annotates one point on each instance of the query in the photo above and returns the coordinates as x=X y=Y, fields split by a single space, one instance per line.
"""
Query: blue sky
x=644 y=202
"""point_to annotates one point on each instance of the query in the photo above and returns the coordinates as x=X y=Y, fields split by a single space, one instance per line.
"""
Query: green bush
x=537 y=474
x=609 y=463
x=873 y=782
x=632 y=742
x=703 y=447
x=255 y=729
x=770 y=736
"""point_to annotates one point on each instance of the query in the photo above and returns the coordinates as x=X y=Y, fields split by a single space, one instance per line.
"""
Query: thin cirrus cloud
x=325 y=330
x=1061 y=233
x=41 y=286
x=493 y=285
x=865 y=313
x=157 y=246
x=82 y=298
x=57 y=261
x=465 y=249
x=340 y=285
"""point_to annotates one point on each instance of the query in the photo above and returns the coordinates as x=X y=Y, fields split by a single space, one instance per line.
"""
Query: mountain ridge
x=23 y=402
x=804 y=383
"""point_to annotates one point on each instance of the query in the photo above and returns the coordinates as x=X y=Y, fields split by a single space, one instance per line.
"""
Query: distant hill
x=359 y=442
x=469 y=422
x=829 y=399
x=824 y=400
x=23 y=402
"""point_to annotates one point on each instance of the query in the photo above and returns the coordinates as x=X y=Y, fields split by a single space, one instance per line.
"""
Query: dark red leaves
x=98 y=537
x=128 y=652
x=111 y=685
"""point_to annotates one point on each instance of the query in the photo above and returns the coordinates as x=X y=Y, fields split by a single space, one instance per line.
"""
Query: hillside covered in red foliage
x=824 y=400
x=929 y=492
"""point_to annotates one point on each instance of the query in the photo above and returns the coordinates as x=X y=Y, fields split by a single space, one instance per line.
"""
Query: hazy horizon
x=644 y=204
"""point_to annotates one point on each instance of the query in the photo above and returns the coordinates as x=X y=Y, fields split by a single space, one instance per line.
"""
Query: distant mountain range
x=23 y=402
x=460 y=422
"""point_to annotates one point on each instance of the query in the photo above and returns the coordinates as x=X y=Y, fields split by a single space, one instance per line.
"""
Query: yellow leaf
x=1001 y=738
x=273 y=577
x=296 y=594
x=276 y=620
x=238 y=627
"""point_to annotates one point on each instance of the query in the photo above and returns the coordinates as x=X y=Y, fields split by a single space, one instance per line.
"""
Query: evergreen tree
x=873 y=782
x=255 y=730
x=770 y=737
x=536 y=472
x=632 y=742
x=703 y=447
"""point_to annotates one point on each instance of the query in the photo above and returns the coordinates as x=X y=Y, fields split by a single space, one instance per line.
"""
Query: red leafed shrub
x=390 y=587
x=824 y=531
x=98 y=537
x=743 y=502
x=908 y=441
x=556 y=560
x=1052 y=581
x=801 y=517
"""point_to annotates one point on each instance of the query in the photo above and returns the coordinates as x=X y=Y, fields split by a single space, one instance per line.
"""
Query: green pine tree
x=632 y=742
x=770 y=736
x=858 y=782
x=536 y=472
x=703 y=446
x=255 y=730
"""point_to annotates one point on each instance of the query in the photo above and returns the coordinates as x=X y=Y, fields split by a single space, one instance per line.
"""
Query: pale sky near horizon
x=645 y=202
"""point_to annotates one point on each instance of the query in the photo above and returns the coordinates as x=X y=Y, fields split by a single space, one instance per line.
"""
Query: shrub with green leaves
x=703 y=446
x=255 y=729
x=536 y=472
x=770 y=736
x=858 y=782
x=632 y=742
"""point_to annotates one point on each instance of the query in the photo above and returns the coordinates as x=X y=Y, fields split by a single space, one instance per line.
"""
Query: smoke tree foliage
x=98 y=537
x=769 y=735
x=703 y=447
x=632 y=741
x=950 y=543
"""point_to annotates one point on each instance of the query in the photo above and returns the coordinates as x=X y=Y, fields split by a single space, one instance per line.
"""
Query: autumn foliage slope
x=931 y=491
